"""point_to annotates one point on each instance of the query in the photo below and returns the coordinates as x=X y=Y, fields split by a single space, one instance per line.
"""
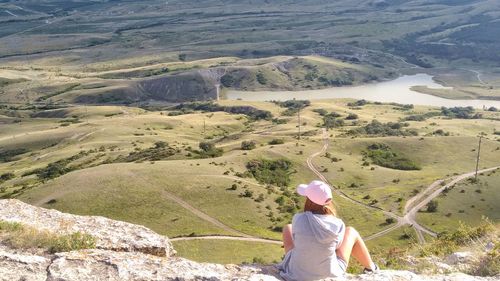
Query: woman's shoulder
x=326 y=218
x=332 y=219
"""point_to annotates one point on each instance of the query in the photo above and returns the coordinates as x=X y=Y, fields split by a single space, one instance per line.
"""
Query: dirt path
x=478 y=76
x=336 y=190
x=410 y=215
x=410 y=211
x=234 y=178
x=202 y=215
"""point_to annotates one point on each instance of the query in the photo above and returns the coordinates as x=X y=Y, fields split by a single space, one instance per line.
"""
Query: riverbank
x=400 y=90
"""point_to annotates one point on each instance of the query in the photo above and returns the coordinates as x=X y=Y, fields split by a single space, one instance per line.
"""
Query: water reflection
x=397 y=90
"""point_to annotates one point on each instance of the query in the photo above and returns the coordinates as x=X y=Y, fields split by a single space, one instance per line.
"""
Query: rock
x=462 y=261
x=109 y=234
x=110 y=265
x=130 y=252
x=489 y=246
x=22 y=267
x=460 y=258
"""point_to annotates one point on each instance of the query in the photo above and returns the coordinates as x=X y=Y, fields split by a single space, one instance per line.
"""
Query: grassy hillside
x=467 y=202
x=184 y=81
x=127 y=52
x=101 y=160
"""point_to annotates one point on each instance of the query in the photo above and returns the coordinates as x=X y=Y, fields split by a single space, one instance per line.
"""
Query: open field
x=102 y=160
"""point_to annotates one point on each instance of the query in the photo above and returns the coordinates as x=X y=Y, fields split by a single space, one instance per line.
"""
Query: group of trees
x=208 y=150
x=382 y=155
x=275 y=172
x=159 y=151
x=250 y=111
x=376 y=128
x=460 y=112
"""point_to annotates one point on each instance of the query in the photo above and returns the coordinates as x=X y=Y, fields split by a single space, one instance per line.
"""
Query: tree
x=206 y=146
x=227 y=80
x=261 y=78
x=432 y=206
x=182 y=57
x=248 y=145
x=208 y=149
x=7 y=176
x=276 y=141
x=352 y=116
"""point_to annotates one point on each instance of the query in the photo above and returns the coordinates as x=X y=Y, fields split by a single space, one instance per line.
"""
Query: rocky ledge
x=131 y=252
x=109 y=234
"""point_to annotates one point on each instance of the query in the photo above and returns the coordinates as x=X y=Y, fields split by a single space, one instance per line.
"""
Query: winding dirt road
x=412 y=205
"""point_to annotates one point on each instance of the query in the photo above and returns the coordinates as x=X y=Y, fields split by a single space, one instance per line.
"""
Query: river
x=397 y=90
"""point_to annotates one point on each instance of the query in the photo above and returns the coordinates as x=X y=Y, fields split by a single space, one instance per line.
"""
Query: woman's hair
x=327 y=209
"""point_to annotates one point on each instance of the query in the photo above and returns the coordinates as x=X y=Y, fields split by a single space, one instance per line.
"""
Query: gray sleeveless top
x=315 y=238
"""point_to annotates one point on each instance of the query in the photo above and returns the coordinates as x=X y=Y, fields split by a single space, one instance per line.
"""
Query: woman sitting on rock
x=317 y=244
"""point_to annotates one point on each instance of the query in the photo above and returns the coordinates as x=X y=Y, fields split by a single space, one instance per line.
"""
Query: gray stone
x=15 y=267
x=110 y=265
x=459 y=258
x=109 y=234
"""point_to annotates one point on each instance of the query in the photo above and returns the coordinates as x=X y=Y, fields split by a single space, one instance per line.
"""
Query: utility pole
x=204 y=125
x=86 y=114
x=478 y=152
x=298 y=118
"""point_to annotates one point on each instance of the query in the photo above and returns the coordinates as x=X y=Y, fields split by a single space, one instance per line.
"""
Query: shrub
x=261 y=78
x=279 y=121
x=292 y=106
x=440 y=132
x=58 y=168
x=260 y=198
x=460 y=112
x=175 y=113
x=358 y=103
x=489 y=265
x=276 y=141
x=376 y=128
x=10 y=155
x=208 y=150
x=446 y=243
x=160 y=151
x=331 y=121
x=275 y=172
x=7 y=176
x=227 y=80
x=352 y=116
x=251 y=112
x=422 y=117
x=382 y=155
x=247 y=193
x=432 y=206
x=18 y=236
x=390 y=220
x=248 y=145
x=321 y=111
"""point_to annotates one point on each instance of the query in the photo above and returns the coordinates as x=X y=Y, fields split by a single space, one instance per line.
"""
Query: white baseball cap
x=317 y=191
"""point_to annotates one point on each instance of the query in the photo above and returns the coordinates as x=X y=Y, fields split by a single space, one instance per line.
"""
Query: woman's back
x=315 y=238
